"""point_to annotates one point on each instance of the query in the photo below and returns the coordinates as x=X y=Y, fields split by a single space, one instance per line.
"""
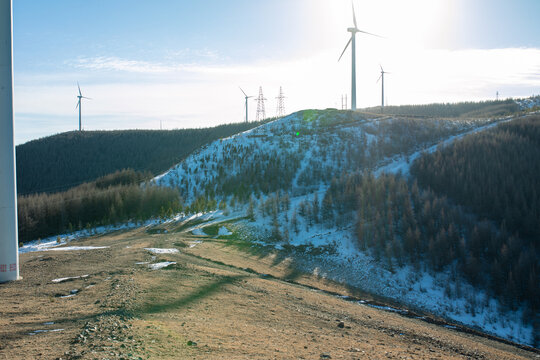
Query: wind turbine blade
x=354 y=15
x=242 y=91
x=381 y=68
x=365 y=32
x=346 y=46
x=79 y=88
x=379 y=79
x=78 y=102
x=84 y=97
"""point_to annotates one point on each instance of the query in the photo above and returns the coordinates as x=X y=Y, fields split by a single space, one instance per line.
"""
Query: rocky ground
x=221 y=300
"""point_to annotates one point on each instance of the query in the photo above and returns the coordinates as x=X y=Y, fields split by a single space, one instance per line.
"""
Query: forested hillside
x=65 y=160
x=496 y=175
x=117 y=197
x=453 y=110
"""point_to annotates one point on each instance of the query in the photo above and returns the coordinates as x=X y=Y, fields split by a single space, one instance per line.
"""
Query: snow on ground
x=35 y=332
x=161 y=265
x=192 y=244
x=55 y=241
x=528 y=103
x=198 y=231
x=62 y=239
x=224 y=231
x=162 y=251
x=59 y=280
x=73 y=248
x=67 y=296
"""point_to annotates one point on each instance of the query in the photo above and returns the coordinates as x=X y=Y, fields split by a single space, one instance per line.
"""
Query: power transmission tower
x=280 y=111
x=261 y=114
x=344 y=102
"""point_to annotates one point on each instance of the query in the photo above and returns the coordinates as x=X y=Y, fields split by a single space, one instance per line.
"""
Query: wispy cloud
x=112 y=63
x=116 y=64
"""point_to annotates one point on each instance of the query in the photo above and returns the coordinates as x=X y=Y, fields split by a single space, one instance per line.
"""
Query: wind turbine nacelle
x=352 y=30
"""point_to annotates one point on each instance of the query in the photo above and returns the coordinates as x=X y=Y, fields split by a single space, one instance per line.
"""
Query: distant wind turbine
x=353 y=31
x=247 y=97
x=80 y=96
x=382 y=83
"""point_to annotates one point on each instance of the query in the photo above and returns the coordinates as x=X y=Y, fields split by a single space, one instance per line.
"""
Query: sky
x=179 y=64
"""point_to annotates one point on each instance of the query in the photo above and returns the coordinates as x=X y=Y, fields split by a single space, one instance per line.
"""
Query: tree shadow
x=199 y=294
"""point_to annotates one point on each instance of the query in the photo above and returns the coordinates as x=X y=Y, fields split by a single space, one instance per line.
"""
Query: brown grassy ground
x=214 y=304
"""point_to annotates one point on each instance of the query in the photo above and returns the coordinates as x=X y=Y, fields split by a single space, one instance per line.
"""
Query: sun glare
x=418 y=23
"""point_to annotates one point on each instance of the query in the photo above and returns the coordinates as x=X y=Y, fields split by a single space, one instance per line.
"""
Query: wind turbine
x=353 y=31
x=9 y=238
x=247 y=97
x=382 y=95
x=80 y=96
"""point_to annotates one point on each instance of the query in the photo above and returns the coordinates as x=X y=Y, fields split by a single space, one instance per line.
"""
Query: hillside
x=304 y=151
x=458 y=110
x=59 y=162
x=306 y=182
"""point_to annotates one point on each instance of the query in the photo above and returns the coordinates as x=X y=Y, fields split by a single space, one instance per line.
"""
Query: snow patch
x=35 y=332
x=73 y=248
x=162 y=251
x=198 y=231
x=59 y=280
x=192 y=244
x=161 y=265
x=224 y=231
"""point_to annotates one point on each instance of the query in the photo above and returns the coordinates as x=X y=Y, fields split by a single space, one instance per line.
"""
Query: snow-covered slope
x=529 y=103
x=302 y=152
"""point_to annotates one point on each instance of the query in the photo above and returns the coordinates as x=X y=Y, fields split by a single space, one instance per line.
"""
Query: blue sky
x=179 y=63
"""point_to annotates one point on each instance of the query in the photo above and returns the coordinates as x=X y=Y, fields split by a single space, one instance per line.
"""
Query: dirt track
x=218 y=302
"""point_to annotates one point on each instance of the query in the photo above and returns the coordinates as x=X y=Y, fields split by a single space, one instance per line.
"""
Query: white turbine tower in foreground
x=382 y=85
x=352 y=40
x=247 y=97
x=80 y=96
x=9 y=253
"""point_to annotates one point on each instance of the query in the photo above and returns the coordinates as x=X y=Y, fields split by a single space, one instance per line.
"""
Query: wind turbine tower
x=353 y=31
x=247 y=97
x=261 y=114
x=9 y=247
x=79 y=97
x=382 y=86
x=280 y=111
